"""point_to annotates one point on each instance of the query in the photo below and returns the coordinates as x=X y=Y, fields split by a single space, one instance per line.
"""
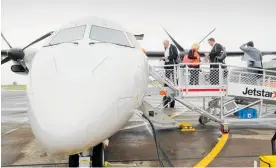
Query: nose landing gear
x=98 y=156
x=90 y=158
x=74 y=160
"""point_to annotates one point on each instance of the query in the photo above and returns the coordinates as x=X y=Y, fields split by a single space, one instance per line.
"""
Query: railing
x=221 y=82
x=215 y=75
x=168 y=77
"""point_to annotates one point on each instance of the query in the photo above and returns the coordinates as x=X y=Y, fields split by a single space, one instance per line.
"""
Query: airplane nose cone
x=67 y=108
x=71 y=118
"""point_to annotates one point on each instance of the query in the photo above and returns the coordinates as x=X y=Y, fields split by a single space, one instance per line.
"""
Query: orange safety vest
x=195 y=62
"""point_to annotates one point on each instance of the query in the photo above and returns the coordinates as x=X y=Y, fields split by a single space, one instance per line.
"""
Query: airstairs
x=225 y=90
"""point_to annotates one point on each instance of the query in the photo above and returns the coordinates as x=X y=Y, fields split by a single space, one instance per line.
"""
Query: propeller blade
x=7 y=59
x=207 y=35
x=22 y=63
x=4 y=52
x=41 y=38
x=6 y=40
x=176 y=44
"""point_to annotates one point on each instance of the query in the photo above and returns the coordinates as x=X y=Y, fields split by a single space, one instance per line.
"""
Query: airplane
x=84 y=85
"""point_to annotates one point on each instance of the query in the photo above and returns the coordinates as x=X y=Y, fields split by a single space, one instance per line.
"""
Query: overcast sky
x=236 y=21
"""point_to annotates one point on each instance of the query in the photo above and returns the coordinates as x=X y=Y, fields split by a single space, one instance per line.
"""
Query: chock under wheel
x=186 y=127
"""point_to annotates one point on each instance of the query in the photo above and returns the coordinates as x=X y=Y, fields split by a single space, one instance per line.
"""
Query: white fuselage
x=80 y=95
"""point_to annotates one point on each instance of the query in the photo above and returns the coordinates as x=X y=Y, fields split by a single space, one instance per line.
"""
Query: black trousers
x=194 y=78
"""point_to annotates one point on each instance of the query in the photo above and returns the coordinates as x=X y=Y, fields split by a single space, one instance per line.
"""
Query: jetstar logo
x=260 y=93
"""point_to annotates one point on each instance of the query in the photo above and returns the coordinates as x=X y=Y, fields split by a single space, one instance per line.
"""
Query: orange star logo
x=274 y=95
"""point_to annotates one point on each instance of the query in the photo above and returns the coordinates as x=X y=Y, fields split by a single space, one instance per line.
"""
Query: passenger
x=194 y=60
x=253 y=56
x=170 y=57
x=213 y=57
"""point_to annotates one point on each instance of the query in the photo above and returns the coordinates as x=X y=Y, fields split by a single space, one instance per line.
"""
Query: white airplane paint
x=81 y=94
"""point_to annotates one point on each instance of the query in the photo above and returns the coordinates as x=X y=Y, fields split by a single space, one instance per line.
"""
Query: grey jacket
x=252 y=55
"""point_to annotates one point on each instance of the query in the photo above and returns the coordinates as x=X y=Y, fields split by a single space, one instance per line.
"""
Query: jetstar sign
x=259 y=93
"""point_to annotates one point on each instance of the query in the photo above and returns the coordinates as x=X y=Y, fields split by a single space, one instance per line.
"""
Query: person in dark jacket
x=170 y=57
x=213 y=57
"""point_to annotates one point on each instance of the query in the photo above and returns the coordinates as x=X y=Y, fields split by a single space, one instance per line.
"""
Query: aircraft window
x=70 y=34
x=133 y=40
x=108 y=35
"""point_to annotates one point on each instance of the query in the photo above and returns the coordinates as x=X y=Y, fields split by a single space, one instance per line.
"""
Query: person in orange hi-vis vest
x=193 y=61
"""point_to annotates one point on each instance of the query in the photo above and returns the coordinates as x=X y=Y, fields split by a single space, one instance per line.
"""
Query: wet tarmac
x=134 y=144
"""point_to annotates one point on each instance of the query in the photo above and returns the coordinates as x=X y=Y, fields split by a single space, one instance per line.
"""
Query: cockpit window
x=69 y=34
x=108 y=35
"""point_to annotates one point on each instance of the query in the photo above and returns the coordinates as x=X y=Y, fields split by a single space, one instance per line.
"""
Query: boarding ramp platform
x=225 y=91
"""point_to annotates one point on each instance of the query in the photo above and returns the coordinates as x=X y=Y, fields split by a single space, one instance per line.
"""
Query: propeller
x=17 y=54
x=176 y=44
x=39 y=39
x=207 y=35
x=179 y=46
x=7 y=59
x=6 y=40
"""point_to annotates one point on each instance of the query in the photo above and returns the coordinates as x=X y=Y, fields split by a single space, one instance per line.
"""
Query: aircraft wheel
x=224 y=129
x=172 y=104
x=98 y=156
x=74 y=160
x=200 y=120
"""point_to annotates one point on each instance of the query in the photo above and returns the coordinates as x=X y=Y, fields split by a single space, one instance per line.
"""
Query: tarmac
x=134 y=145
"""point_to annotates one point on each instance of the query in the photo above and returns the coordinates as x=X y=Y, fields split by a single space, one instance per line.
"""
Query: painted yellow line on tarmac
x=215 y=151
x=172 y=116
x=175 y=114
